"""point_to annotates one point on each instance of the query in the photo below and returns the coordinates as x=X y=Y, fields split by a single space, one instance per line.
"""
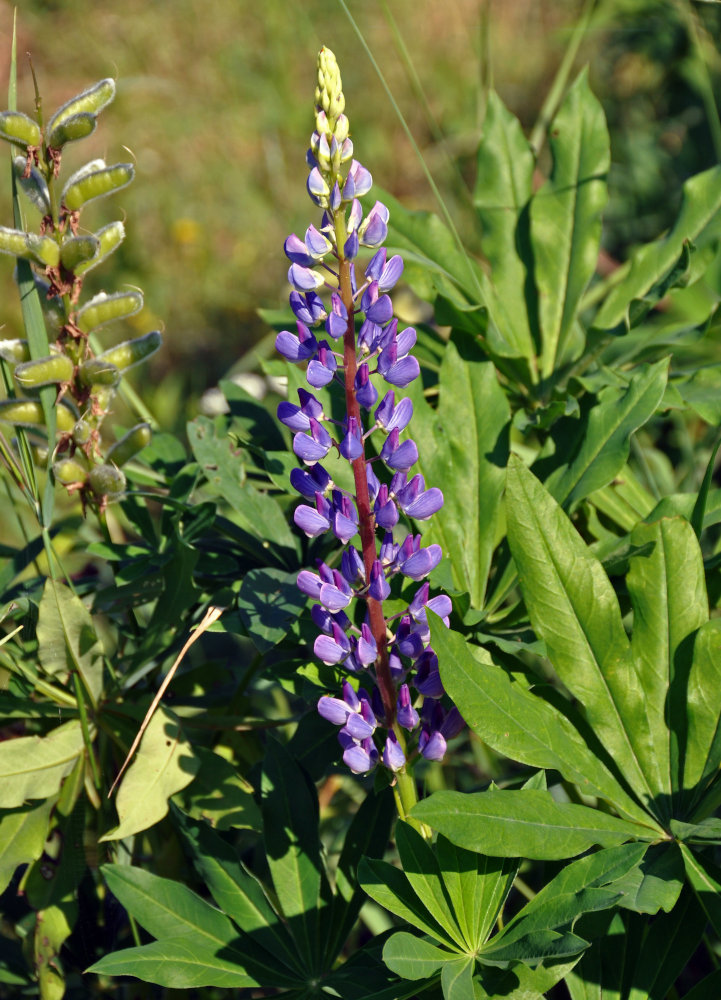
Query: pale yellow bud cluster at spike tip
x=329 y=92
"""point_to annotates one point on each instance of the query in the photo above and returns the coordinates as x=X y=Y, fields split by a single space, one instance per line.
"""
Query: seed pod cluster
x=61 y=251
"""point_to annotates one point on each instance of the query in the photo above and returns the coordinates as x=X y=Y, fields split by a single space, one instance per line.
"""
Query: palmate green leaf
x=164 y=764
x=33 y=767
x=501 y=195
x=703 y=736
x=520 y=724
x=603 y=439
x=201 y=941
x=269 y=603
x=668 y=593
x=241 y=897
x=477 y=886
x=293 y=850
x=527 y=823
x=566 y=217
x=465 y=450
x=67 y=638
x=652 y=262
x=574 y=609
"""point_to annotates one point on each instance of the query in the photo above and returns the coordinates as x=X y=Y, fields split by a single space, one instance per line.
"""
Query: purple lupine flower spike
x=365 y=348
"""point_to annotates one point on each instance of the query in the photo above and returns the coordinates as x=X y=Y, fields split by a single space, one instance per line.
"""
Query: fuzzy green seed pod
x=40 y=249
x=19 y=129
x=33 y=187
x=14 y=351
x=107 y=481
x=29 y=413
x=71 y=470
x=130 y=444
x=132 y=352
x=96 y=184
x=90 y=101
x=96 y=371
x=110 y=237
x=43 y=371
x=78 y=250
x=71 y=129
x=82 y=432
x=102 y=309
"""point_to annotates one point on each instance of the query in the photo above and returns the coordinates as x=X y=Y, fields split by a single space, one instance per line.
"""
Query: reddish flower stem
x=366 y=520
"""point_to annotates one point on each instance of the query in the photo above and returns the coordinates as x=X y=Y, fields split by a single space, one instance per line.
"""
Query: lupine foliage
x=573 y=627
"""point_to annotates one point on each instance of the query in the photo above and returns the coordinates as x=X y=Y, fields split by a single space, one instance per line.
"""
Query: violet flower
x=329 y=294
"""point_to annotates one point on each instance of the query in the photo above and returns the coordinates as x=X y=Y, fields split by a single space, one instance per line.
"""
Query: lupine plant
x=456 y=733
x=388 y=652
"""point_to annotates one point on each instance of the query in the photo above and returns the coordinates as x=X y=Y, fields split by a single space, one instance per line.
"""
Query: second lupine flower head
x=347 y=336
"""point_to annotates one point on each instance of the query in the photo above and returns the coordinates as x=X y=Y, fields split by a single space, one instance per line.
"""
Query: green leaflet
x=520 y=724
x=501 y=196
x=574 y=608
x=565 y=218
x=523 y=823
x=668 y=593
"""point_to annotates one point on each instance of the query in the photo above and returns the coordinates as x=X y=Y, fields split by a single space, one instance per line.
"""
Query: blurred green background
x=214 y=106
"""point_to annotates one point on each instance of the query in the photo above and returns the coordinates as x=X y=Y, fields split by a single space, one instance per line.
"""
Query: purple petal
x=358 y=728
x=421 y=563
x=333 y=709
x=296 y=251
x=405 y=713
x=433 y=746
x=304 y=279
x=402 y=372
x=333 y=598
x=425 y=505
x=290 y=346
x=401 y=415
x=309 y=583
x=404 y=456
x=292 y=416
x=310 y=521
x=393 y=756
x=328 y=650
x=358 y=760
x=391 y=273
x=367 y=651
x=318 y=245
x=379 y=587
